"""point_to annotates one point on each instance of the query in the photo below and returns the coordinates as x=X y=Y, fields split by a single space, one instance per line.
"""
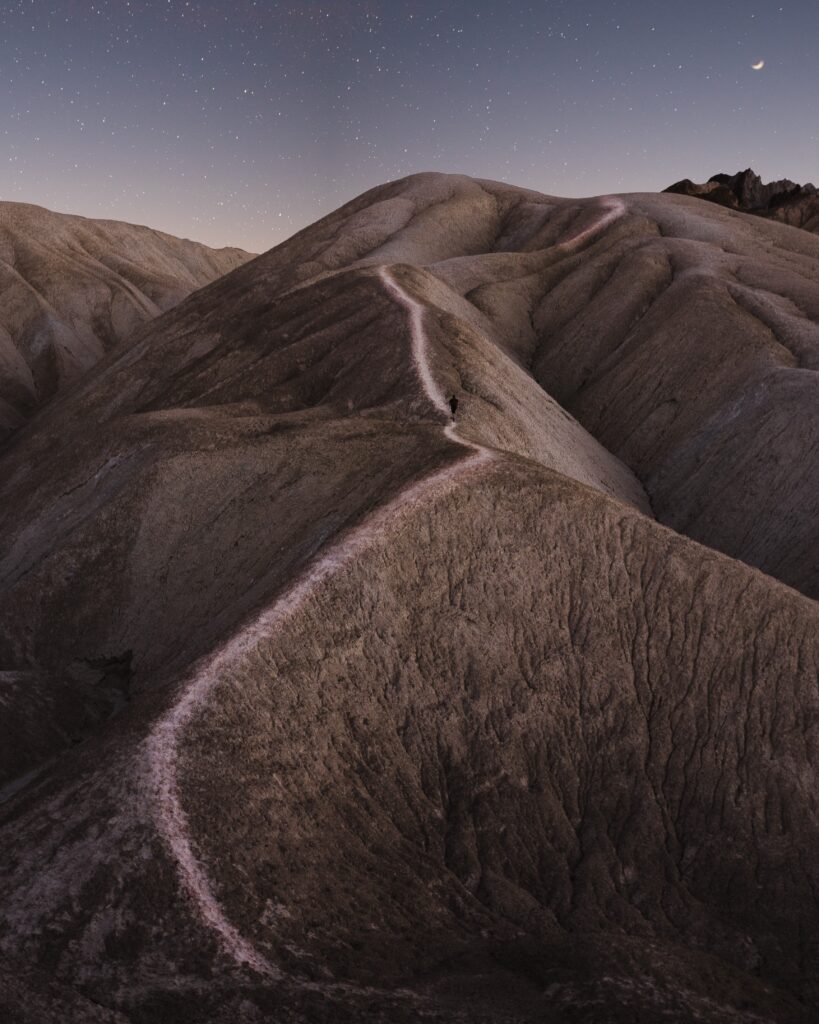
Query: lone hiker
x=453 y=405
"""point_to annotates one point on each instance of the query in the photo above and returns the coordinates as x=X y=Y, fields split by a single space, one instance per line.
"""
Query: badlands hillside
x=71 y=288
x=418 y=624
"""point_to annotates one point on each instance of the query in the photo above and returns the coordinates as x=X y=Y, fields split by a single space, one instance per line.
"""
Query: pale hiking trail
x=611 y=210
x=162 y=743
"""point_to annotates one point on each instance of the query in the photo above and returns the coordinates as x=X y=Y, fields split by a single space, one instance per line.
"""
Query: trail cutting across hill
x=162 y=745
x=611 y=210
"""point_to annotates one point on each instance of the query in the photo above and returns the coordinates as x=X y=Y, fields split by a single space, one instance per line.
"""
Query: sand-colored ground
x=422 y=716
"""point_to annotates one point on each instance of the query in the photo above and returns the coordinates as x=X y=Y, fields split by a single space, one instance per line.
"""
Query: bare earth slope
x=347 y=708
x=70 y=288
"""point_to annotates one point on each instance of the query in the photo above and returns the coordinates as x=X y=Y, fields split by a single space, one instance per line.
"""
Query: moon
x=760 y=64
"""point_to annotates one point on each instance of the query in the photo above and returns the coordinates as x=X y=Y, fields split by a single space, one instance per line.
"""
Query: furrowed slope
x=71 y=288
x=525 y=755
x=388 y=695
x=682 y=336
x=254 y=444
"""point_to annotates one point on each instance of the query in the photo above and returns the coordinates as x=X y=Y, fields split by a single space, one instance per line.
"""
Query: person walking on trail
x=453 y=405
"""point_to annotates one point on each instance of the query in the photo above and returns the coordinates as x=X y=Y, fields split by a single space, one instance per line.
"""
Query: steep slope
x=72 y=287
x=219 y=422
x=420 y=715
x=799 y=212
x=681 y=336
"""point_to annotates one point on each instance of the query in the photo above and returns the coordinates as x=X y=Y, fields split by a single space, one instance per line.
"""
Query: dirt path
x=162 y=745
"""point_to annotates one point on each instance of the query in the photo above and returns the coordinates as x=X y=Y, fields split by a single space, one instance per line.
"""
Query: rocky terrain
x=418 y=624
x=785 y=201
x=71 y=288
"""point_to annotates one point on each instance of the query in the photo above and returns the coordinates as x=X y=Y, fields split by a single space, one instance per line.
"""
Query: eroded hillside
x=391 y=695
x=71 y=288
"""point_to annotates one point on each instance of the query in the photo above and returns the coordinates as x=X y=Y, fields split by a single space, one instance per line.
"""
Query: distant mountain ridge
x=71 y=288
x=783 y=200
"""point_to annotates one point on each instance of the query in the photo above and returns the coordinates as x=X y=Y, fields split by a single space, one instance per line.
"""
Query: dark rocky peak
x=752 y=194
x=783 y=200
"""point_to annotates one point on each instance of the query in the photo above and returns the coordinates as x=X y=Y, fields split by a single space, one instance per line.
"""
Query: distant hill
x=785 y=201
x=71 y=288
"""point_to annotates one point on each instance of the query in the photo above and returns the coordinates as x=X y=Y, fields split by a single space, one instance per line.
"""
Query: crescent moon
x=760 y=64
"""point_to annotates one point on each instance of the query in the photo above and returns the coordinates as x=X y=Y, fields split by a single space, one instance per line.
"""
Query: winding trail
x=611 y=210
x=162 y=744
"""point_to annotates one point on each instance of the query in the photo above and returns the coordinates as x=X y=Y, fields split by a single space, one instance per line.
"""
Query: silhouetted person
x=453 y=405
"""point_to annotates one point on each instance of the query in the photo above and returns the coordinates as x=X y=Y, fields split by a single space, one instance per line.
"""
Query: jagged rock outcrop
x=428 y=717
x=752 y=194
x=71 y=288
x=784 y=200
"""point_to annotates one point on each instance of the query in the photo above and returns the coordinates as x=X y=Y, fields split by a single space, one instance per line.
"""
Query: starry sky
x=237 y=123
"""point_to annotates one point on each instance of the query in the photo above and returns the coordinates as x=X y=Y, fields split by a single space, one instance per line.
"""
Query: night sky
x=240 y=122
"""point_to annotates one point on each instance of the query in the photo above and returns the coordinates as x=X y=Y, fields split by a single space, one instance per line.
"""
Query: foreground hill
x=323 y=703
x=71 y=288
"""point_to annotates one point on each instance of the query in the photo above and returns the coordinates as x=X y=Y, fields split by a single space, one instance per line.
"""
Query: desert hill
x=323 y=702
x=71 y=288
x=784 y=201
